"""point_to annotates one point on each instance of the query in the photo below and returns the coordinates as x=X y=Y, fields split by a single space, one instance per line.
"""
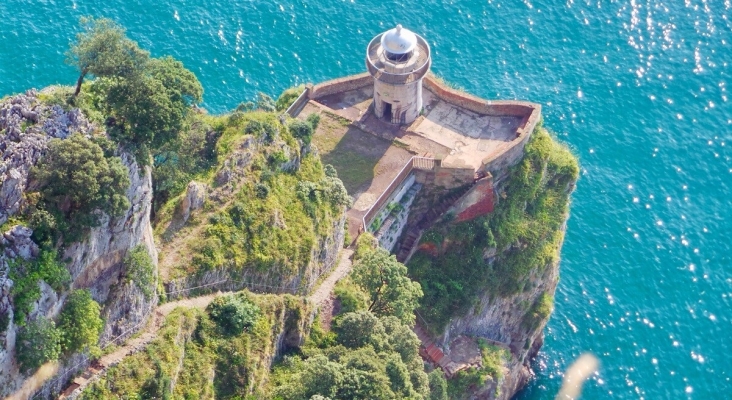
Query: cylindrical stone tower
x=398 y=60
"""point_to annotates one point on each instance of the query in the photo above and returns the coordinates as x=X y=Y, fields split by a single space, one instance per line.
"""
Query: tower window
x=397 y=57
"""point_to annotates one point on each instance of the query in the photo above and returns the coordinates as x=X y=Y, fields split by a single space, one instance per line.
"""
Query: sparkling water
x=638 y=89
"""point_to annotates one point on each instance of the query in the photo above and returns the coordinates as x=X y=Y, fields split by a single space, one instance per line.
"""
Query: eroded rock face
x=26 y=126
x=196 y=194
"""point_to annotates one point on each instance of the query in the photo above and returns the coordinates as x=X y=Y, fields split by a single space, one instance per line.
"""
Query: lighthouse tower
x=398 y=59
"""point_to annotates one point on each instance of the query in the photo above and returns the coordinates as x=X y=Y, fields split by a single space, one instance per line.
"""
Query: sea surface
x=639 y=89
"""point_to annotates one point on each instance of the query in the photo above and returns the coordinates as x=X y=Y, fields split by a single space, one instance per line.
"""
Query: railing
x=375 y=66
x=420 y=163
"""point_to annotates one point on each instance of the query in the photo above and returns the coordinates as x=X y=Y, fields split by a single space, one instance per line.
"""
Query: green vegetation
x=390 y=291
x=193 y=358
x=372 y=358
x=467 y=381
x=140 y=270
x=26 y=276
x=80 y=322
x=37 y=343
x=438 y=385
x=525 y=230
x=234 y=314
x=539 y=311
x=102 y=49
x=151 y=106
x=371 y=353
x=76 y=179
x=288 y=97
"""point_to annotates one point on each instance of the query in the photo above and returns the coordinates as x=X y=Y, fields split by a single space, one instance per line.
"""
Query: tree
x=358 y=328
x=151 y=107
x=103 y=50
x=233 y=313
x=38 y=343
x=302 y=130
x=390 y=289
x=80 y=322
x=76 y=179
x=438 y=385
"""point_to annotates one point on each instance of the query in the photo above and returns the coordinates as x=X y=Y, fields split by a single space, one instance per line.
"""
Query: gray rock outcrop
x=26 y=126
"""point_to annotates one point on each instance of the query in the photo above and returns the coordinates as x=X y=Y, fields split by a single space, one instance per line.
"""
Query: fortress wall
x=510 y=157
x=530 y=114
x=476 y=202
x=450 y=178
x=339 y=85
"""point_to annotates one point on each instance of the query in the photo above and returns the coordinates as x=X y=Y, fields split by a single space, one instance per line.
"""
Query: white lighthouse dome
x=399 y=40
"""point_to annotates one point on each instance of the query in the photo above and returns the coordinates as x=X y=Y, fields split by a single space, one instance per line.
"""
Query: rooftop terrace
x=464 y=132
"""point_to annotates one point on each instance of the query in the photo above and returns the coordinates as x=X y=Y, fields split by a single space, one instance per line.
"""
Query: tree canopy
x=38 y=343
x=77 y=179
x=151 y=106
x=233 y=313
x=103 y=50
x=386 y=281
x=80 y=322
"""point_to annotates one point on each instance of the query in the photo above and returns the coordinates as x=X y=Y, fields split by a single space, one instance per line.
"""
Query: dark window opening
x=397 y=57
x=387 y=111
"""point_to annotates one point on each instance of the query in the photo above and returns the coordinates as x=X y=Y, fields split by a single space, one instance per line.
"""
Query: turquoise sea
x=640 y=89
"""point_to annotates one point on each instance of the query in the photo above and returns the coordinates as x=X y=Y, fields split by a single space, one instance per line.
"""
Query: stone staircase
x=429 y=218
x=428 y=350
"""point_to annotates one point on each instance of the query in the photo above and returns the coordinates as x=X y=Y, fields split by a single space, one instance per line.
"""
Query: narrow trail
x=321 y=297
x=132 y=346
x=323 y=292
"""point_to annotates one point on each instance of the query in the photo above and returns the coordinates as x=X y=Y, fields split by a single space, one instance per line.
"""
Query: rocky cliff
x=492 y=278
x=26 y=125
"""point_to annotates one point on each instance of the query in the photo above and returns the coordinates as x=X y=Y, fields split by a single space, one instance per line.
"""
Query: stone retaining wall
x=530 y=114
x=340 y=85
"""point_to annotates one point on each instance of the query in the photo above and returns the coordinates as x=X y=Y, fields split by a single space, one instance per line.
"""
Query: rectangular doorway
x=387 y=111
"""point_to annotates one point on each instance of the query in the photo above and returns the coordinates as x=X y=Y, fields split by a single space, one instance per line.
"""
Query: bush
x=265 y=103
x=233 y=314
x=25 y=276
x=438 y=385
x=77 y=180
x=80 y=322
x=37 y=343
x=539 y=311
x=301 y=130
x=140 y=270
x=288 y=97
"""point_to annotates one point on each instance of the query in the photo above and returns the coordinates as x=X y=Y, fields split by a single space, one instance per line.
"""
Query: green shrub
x=233 y=314
x=314 y=120
x=301 y=130
x=539 y=311
x=265 y=103
x=288 y=97
x=438 y=385
x=25 y=276
x=79 y=322
x=140 y=270
x=76 y=180
x=351 y=297
x=37 y=343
